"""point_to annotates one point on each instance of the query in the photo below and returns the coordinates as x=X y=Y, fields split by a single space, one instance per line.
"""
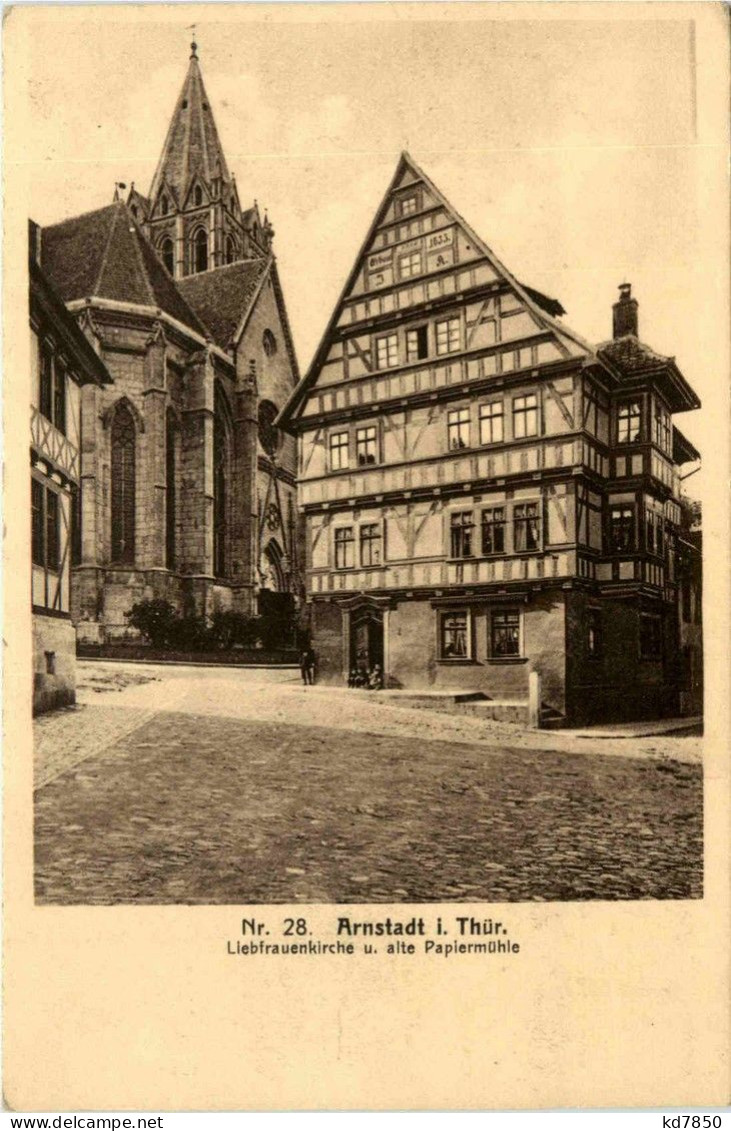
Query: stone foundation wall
x=54 y=663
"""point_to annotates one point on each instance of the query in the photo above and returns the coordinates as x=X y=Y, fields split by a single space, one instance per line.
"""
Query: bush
x=155 y=620
x=230 y=629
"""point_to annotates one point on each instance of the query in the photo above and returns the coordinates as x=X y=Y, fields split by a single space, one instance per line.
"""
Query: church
x=186 y=485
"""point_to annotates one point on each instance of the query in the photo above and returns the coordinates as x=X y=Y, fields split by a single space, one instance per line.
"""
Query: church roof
x=192 y=145
x=104 y=254
x=221 y=297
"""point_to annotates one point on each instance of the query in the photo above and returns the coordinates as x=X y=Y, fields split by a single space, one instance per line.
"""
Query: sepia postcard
x=366 y=609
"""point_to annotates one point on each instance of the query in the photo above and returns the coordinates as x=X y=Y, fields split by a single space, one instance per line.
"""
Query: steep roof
x=221 y=297
x=88 y=366
x=635 y=361
x=192 y=144
x=105 y=254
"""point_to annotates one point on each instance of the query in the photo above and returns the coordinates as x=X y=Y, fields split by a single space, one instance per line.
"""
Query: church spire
x=192 y=146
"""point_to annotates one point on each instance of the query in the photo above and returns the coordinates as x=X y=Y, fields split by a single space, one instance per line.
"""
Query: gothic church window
x=200 y=251
x=123 y=486
x=167 y=254
x=270 y=343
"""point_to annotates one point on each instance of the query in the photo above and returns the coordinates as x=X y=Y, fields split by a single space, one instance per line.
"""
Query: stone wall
x=54 y=663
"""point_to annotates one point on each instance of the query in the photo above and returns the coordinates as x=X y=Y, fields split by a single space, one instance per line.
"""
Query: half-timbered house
x=486 y=494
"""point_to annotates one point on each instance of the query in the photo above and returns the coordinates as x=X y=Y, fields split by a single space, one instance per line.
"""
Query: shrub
x=155 y=619
x=231 y=629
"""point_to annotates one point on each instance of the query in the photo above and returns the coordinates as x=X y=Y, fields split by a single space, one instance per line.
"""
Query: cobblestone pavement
x=228 y=796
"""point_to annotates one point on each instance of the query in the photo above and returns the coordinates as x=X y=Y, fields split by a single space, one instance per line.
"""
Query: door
x=366 y=640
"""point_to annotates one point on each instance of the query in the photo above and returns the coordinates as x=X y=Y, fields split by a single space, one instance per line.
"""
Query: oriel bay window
x=491 y=423
x=493 y=530
x=344 y=547
x=525 y=416
x=454 y=641
x=504 y=633
x=338 y=451
x=622 y=528
x=366 y=446
x=458 y=428
x=526 y=527
x=370 y=544
x=387 y=351
x=461 y=528
x=447 y=333
x=629 y=422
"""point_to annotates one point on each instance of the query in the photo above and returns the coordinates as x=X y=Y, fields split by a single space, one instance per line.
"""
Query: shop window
x=650 y=637
x=366 y=446
x=505 y=633
x=344 y=545
x=458 y=429
x=387 y=351
x=525 y=416
x=622 y=529
x=629 y=422
x=493 y=530
x=370 y=544
x=417 y=343
x=526 y=528
x=454 y=642
x=491 y=423
x=338 y=451
x=448 y=336
x=460 y=531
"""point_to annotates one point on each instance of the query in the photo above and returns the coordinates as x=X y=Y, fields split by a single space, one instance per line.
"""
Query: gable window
x=370 y=544
x=200 y=251
x=505 y=633
x=454 y=640
x=458 y=428
x=365 y=446
x=338 y=451
x=650 y=637
x=622 y=528
x=167 y=254
x=387 y=351
x=526 y=528
x=525 y=416
x=407 y=205
x=594 y=633
x=123 y=477
x=460 y=531
x=629 y=422
x=447 y=335
x=409 y=265
x=491 y=423
x=344 y=544
x=417 y=343
x=493 y=530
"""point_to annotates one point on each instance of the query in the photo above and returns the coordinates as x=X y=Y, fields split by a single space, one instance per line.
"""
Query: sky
x=574 y=146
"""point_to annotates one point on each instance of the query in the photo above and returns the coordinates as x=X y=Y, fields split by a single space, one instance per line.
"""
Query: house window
x=458 y=428
x=38 y=553
x=650 y=637
x=123 y=479
x=447 y=335
x=409 y=265
x=594 y=633
x=46 y=390
x=52 y=530
x=387 y=351
x=59 y=397
x=167 y=254
x=365 y=446
x=370 y=544
x=344 y=543
x=53 y=389
x=491 y=423
x=622 y=528
x=493 y=530
x=629 y=422
x=45 y=526
x=338 y=451
x=525 y=416
x=461 y=527
x=505 y=633
x=454 y=636
x=200 y=251
x=662 y=428
x=407 y=205
x=417 y=343
x=526 y=528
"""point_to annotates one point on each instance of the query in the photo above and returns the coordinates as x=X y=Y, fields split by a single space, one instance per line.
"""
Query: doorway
x=366 y=640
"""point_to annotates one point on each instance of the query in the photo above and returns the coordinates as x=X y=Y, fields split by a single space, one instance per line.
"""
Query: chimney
x=624 y=313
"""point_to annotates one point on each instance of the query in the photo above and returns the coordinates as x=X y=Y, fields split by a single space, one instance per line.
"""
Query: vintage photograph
x=366 y=429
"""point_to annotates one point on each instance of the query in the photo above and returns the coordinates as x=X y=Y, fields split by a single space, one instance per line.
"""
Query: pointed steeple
x=192 y=145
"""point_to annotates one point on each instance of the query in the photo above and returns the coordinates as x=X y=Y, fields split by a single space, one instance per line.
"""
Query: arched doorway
x=274 y=565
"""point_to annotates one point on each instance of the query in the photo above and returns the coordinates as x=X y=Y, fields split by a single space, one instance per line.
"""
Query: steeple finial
x=194 y=45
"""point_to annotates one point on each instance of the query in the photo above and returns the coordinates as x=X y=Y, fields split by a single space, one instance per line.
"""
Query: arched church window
x=167 y=254
x=170 y=490
x=221 y=479
x=230 y=249
x=270 y=343
x=269 y=436
x=197 y=195
x=164 y=205
x=200 y=251
x=123 y=486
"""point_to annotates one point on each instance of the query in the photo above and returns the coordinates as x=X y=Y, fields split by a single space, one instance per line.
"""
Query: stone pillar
x=534 y=700
x=179 y=248
x=196 y=469
x=151 y=518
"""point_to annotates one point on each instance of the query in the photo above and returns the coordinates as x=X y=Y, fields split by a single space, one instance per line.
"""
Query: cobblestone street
x=248 y=788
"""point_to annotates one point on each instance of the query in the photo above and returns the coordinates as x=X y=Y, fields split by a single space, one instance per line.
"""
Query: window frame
x=342 y=542
x=402 y=201
x=370 y=541
x=461 y=534
x=451 y=322
x=486 y=417
x=332 y=448
x=363 y=440
x=524 y=520
x=505 y=612
x=614 y=546
x=385 y=341
x=423 y=329
x=494 y=525
x=625 y=419
x=46 y=539
x=442 y=616
x=524 y=413
x=465 y=415
x=415 y=262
